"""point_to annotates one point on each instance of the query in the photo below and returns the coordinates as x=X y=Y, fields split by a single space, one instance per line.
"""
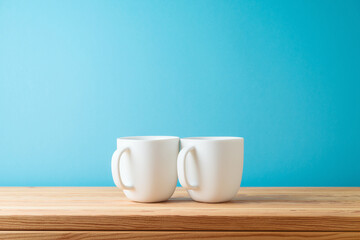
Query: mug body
x=214 y=167
x=149 y=167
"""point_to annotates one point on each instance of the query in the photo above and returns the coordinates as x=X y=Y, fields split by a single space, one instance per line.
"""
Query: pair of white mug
x=210 y=168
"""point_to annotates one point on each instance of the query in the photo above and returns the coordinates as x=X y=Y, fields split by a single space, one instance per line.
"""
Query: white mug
x=210 y=168
x=145 y=167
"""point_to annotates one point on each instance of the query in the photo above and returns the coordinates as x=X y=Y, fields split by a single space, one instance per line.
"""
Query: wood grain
x=106 y=208
x=175 y=235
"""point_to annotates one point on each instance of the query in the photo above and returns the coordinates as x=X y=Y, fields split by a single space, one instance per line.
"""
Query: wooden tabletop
x=106 y=208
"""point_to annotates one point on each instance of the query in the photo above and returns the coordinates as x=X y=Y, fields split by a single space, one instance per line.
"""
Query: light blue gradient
x=75 y=75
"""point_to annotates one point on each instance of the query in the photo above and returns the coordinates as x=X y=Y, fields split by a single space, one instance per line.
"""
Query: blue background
x=75 y=75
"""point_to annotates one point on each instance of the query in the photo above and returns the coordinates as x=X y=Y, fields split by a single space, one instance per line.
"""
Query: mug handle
x=115 y=167
x=181 y=167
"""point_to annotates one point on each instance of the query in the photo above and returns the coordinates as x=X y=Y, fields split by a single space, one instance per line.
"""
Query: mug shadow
x=244 y=199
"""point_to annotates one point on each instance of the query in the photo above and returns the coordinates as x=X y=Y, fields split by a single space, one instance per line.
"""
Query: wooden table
x=105 y=213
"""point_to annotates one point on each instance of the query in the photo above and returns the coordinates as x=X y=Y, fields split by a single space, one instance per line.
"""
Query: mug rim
x=147 y=138
x=221 y=138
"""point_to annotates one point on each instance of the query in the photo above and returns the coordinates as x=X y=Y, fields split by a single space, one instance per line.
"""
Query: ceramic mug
x=210 y=168
x=145 y=167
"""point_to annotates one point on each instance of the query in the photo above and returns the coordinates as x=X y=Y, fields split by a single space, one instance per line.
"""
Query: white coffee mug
x=210 y=168
x=145 y=167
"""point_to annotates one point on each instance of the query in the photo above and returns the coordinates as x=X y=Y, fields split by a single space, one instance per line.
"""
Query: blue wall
x=285 y=75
